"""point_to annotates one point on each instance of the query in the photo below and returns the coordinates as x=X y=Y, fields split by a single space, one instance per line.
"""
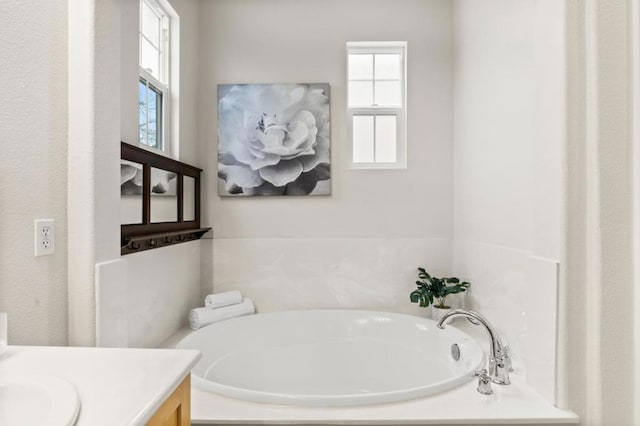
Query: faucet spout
x=499 y=360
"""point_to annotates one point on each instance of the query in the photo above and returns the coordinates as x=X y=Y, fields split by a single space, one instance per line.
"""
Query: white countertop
x=115 y=386
x=517 y=403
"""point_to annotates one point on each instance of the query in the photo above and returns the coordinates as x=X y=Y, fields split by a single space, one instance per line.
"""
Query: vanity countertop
x=116 y=386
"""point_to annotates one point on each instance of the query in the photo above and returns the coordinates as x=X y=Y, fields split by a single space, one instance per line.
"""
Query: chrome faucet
x=499 y=355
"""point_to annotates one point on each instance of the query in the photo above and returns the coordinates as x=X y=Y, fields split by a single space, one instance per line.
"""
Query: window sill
x=378 y=166
x=156 y=151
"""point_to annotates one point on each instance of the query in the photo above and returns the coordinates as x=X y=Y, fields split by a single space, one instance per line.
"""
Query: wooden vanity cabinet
x=176 y=409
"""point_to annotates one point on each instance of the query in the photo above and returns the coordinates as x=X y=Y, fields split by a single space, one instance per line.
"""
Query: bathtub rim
x=340 y=400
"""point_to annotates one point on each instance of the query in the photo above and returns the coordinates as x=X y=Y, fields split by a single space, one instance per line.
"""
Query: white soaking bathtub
x=330 y=357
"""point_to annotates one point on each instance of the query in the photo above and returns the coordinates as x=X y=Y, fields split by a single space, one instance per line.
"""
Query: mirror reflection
x=188 y=199
x=164 y=196
x=130 y=192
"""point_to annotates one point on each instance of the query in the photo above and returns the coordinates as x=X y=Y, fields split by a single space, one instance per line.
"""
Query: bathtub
x=331 y=357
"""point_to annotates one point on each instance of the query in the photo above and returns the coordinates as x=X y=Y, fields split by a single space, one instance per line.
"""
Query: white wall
x=284 y=41
x=160 y=285
x=595 y=354
x=493 y=121
x=49 y=298
x=635 y=44
x=509 y=124
x=614 y=215
x=384 y=222
x=509 y=182
x=33 y=168
x=93 y=152
x=602 y=175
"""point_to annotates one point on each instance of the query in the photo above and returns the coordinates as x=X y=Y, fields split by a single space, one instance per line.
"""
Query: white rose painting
x=273 y=139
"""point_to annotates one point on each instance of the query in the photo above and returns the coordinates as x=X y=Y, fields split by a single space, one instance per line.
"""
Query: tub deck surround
x=115 y=386
x=517 y=403
x=513 y=404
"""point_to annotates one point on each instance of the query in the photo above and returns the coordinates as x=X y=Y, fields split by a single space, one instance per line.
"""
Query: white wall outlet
x=45 y=237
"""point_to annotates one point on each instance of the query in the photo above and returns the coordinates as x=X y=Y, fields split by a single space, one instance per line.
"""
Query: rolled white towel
x=200 y=317
x=219 y=300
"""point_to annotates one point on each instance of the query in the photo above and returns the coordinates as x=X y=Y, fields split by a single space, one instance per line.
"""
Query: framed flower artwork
x=274 y=139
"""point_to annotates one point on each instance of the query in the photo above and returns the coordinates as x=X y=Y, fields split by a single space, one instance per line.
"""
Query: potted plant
x=432 y=288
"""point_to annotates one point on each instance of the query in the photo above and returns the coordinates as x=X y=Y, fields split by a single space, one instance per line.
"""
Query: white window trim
x=168 y=72
x=381 y=47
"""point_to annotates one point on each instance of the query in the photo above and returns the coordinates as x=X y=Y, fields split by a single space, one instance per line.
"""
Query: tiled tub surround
x=143 y=298
x=517 y=291
x=303 y=273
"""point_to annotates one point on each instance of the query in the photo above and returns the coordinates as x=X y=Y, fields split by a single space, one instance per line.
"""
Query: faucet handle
x=506 y=356
x=500 y=369
x=484 y=382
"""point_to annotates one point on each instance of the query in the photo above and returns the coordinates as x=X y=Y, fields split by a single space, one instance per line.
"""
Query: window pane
x=363 y=139
x=153 y=101
x=155 y=118
x=388 y=93
x=152 y=132
x=150 y=24
x=157 y=115
x=388 y=66
x=149 y=58
x=360 y=66
x=149 y=115
x=360 y=93
x=386 y=135
x=142 y=112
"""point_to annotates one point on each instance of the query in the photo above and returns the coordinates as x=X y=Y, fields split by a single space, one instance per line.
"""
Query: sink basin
x=33 y=400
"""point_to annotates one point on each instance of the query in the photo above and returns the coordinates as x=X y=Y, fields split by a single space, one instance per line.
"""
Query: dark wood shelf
x=147 y=235
x=138 y=243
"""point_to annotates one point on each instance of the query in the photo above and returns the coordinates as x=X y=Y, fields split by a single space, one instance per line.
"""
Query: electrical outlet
x=45 y=237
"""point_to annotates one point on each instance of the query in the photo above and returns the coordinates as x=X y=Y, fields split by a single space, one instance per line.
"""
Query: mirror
x=130 y=192
x=164 y=196
x=188 y=199
x=160 y=201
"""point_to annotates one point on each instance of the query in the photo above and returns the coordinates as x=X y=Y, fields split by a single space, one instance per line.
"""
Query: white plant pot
x=438 y=313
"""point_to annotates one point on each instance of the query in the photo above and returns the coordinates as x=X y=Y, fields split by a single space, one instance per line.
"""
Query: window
x=153 y=87
x=376 y=103
x=150 y=114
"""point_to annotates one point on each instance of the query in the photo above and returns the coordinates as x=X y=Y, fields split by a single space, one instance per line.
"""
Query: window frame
x=162 y=85
x=396 y=47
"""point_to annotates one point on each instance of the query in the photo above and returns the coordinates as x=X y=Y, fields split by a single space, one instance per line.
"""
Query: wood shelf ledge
x=137 y=243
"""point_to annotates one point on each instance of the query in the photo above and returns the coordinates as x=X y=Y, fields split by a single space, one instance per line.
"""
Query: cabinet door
x=175 y=410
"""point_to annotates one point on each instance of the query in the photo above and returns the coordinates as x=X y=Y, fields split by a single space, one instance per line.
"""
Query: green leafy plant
x=432 y=288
